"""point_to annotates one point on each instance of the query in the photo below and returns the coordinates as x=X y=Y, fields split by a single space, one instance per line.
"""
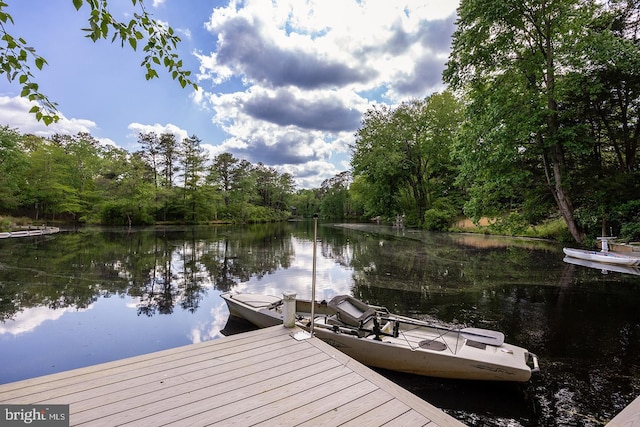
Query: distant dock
x=261 y=377
x=30 y=231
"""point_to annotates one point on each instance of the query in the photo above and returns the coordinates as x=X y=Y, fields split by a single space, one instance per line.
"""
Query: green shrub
x=437 y=220
x=513 y=224
x=630 y=232
x=116 y=213
x=5 y=224
x=441 y=215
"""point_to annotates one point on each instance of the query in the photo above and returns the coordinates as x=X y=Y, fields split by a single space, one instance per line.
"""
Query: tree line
x=76 y=178
x=544 y=124
x=552 y=91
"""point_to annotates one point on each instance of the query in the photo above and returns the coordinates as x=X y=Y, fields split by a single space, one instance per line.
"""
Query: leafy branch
x=161 y=40
x=16 y=56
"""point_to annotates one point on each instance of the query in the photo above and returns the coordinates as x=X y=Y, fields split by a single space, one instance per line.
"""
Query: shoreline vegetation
x=549 y=231
x=553 y=231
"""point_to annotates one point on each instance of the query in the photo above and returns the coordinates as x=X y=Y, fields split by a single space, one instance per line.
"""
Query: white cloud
x=331 y=278
x=158 y=129
x=309 y=72
x=209 y=331
x=310 y=45
x=15 y=110
x=29 y=319
x=276 y=127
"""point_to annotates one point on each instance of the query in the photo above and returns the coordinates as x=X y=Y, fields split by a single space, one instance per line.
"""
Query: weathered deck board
x=629 y=417
x=262 y=377
x=348 y=410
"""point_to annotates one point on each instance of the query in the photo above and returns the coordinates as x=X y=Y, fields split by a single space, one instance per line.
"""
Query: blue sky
x=282 y=82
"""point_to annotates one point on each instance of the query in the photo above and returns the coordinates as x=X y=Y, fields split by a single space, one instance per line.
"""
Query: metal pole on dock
x=313 y=276
x=303 y=335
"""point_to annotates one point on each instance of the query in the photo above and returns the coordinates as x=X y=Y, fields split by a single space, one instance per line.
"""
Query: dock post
x=289 y=309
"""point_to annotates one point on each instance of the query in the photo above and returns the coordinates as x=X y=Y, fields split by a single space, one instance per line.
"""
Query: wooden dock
x=629 y=417
x=261 y=377
x=30 y=231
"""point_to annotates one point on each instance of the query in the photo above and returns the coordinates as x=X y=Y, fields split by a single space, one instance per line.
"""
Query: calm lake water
x=83 y=297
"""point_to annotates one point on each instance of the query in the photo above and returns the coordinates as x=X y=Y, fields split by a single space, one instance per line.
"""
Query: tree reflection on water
x=584 y=325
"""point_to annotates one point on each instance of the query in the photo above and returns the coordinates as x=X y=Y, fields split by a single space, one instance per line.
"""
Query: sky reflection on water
x=38 y=339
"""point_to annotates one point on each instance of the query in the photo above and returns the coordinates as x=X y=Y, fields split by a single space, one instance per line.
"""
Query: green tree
x=150 y=144
x=83 y=165
x=360 y=191
x=285 y=186
x=244 y=190
x=221 y=175
x=193 y=166
x=265 y=184
x=272 y=188
x=154 y=151
x=47 y=188
x=160 y=42
x=169 y=165
x=306 y=202
x=376 y=162
x=509 y=58
x=13 y=167
x=604 y=90
x=234 y=181
x=224 y=178
x=403 y=155
x=169 y=153
x=613 y=86
x=335 y=196
x=127 y=188
x=129 y=196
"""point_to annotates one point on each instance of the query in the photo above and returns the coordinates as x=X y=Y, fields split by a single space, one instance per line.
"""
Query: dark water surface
x=83 y=297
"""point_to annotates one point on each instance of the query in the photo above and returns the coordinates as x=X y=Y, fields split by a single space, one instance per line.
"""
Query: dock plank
x=189 y=403
x=409 y=418
x=173 y=397
x=310 y=406
x=347 y=411
x=132 y=377
x=172 y=382
x=380 y=415
x=261 y=377
x=265 y=406
x=628 y=417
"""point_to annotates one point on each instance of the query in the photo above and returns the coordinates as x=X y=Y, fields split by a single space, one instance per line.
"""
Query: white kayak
x=604 y=268
x=377 y=338
x=614 y=258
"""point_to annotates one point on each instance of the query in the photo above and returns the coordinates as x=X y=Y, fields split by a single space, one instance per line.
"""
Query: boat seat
x=351 y=311
x=263 y=301
x=366 y=327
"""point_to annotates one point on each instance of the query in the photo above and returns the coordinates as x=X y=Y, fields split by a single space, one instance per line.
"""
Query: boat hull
x=258 y=314
x=393 y=355
x=602 y=257
x=604 y=268
x=415 y=349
